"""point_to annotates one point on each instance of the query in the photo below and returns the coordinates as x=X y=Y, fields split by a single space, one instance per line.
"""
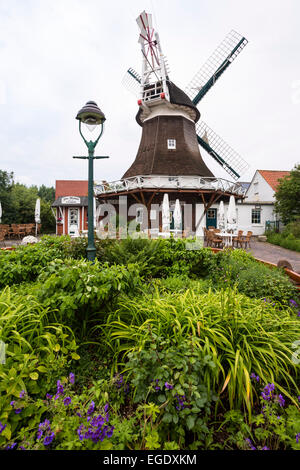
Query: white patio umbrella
x=221 y=216
x=231 y=214
x=177 y=216
x=165 y=214
x=37 y=214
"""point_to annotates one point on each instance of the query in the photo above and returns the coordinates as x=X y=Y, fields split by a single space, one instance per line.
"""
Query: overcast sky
x=57 y=54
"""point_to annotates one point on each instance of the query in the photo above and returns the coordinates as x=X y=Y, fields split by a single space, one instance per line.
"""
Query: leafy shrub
x=289 y=242
x=157 y=258
x=171 y=375
x=25 y=263
x=78 y=289
x=252 y=278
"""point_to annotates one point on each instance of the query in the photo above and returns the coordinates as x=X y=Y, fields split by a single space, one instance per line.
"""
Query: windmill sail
x=154 y=68
x=228 y=158
x=132 y=81
x=215 y=66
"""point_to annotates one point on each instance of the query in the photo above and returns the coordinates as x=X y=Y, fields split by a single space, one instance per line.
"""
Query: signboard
x=70 y=200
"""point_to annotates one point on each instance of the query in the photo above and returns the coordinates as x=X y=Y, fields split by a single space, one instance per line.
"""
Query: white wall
x=244 y=212
x=259 y=190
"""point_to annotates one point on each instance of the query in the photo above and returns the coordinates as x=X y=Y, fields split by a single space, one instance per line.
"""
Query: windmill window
x=171 y=144
x=256 y=216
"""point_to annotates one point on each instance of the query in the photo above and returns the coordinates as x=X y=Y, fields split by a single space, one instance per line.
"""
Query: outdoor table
x=227 y=237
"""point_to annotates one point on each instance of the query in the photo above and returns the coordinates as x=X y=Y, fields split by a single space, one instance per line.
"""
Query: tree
x=24 y=200
x=18 y=202
x=6 y=185
x=287 y=196
x=48 y=194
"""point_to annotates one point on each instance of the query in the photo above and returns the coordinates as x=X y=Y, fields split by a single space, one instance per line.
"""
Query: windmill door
x=211 y=218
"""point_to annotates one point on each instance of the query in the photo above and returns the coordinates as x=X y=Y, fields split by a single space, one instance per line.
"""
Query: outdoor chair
x=246 y=240
x=213 y=240
x=238 y=239
x=22 y=230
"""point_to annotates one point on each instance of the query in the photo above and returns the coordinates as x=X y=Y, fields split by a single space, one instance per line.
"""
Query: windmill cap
x=91 y=111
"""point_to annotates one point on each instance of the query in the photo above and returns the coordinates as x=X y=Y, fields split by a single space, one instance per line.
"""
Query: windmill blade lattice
x=217 y=63
x=132 y=81
x=228 y=158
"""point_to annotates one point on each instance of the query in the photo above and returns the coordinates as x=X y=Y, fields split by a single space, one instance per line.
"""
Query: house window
x=256 y=216
x=171 y=144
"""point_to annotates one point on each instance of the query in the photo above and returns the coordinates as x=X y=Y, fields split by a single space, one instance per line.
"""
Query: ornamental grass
x=242 y=335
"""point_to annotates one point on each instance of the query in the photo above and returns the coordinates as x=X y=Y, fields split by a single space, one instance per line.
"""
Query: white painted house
x=258 y=206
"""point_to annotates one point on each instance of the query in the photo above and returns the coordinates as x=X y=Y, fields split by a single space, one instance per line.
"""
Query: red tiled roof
x=71 y=188
x=272 y=176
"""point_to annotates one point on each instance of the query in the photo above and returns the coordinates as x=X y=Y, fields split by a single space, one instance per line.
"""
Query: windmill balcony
x=170 y=182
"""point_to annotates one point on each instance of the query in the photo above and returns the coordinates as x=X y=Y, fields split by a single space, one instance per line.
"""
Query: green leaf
x=75 y=356
x=34 y=375
x=161 y=398
x=190 y=422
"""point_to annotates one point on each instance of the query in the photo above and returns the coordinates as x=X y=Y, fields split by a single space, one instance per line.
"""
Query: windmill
x=153 y=86
x=168 y=160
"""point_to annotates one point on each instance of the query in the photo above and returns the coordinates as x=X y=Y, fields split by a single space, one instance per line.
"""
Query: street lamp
x=92 y=116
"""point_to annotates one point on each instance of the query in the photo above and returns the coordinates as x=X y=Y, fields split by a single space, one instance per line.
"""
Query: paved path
x=273 y=253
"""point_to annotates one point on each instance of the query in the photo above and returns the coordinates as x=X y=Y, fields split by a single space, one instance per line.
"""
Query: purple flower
x=11 y=447
x=60 y=390
x=168 y=386
x=39 y=434
x=22 y=394
x=281 y=400
x=91 y=408
x=12 y=403
x=110 y=432
x=292 y=302
x=18 y=410
x=298 y=437
x=2 y=427
x=157 y=387
x=181 y=399
x=48 y=396
x=267 y=392
x=254 y=377
x=250 y=444
x=67 y=401
x=299 y=398
x=72 y=378
x=265 y=448
x=81 y=436
x=49 y=439
x=119 y=380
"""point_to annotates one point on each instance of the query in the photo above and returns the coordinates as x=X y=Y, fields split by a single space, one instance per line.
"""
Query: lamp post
x=93 y=117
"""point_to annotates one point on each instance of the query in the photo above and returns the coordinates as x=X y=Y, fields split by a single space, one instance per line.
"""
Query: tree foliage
x=18 y=202
x=287 y=196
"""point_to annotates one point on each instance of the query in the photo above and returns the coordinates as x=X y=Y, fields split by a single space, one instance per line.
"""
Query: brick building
x=71 y=206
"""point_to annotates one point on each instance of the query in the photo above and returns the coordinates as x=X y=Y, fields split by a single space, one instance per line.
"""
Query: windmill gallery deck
x=168 y=159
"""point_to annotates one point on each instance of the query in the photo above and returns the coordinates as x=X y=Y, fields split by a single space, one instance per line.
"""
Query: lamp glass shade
x=91 y=115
